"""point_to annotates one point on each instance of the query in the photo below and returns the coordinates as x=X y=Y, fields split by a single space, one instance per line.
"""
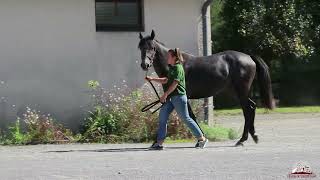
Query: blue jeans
x=179 y=103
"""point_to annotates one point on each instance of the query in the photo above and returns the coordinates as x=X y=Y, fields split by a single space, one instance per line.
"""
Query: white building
x=49 y=49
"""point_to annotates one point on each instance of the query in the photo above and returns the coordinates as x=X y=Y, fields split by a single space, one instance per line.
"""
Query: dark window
x=119 y=15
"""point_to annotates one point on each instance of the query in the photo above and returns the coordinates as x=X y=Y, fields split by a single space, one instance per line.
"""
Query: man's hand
x=163 y=98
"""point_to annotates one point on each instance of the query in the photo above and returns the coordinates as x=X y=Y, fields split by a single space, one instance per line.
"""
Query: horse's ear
x=140 y=36
x=153 y=34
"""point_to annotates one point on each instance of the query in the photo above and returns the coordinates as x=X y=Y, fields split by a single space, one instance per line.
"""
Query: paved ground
x=284 y=141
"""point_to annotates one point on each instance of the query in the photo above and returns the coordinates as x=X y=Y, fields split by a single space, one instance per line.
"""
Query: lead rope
x=151 y=105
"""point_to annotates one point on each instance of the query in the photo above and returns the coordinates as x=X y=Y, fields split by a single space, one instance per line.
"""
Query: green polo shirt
x=176 y=72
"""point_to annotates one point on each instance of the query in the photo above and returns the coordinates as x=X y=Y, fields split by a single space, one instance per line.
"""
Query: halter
x=152 y=55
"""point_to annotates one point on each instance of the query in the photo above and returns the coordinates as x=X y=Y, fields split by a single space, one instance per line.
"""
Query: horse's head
x=148 y=50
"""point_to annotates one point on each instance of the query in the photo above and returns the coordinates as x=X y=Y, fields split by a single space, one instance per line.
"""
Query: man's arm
x=171 y=88
x=163 y=80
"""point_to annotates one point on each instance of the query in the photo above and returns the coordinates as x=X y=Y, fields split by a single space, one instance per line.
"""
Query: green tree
x=285 y=33
x=274 y=29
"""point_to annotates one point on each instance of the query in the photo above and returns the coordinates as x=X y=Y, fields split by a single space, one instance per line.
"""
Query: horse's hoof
x=255 y=139
x=239 y=143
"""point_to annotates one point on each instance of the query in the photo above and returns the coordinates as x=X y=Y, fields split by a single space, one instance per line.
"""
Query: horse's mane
x=159 y=42
x=142 y=41
x=169 y=48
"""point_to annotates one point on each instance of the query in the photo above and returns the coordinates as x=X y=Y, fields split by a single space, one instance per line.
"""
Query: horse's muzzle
x=145 y=66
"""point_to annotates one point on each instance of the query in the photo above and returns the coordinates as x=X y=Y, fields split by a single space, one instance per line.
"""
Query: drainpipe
x=205 y=39
x=208 y=102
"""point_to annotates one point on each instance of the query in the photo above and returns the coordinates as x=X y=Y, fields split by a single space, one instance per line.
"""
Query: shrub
x=39 y=129
x=117 y=116
x=43 y=129
x=17 y=137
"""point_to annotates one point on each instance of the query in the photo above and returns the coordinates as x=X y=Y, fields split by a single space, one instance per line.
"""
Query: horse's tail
x=264 y=82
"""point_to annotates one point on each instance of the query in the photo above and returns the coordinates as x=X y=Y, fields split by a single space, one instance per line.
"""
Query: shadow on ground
x=130 y=149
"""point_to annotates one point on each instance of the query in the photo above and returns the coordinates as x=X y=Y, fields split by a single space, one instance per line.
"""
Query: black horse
x=207 y=76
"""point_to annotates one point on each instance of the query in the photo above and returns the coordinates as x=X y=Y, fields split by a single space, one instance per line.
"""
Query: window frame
x=111 y=28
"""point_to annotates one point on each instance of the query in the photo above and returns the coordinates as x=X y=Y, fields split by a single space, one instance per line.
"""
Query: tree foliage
x=285 y=33
x=271 y=28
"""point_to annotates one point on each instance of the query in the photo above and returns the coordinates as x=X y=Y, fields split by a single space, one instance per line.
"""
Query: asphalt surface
x=284 y=141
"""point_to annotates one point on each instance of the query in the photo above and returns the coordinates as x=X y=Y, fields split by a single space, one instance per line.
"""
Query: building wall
x=50 y=49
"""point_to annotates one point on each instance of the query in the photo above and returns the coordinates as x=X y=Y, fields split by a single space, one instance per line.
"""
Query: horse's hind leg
x=252 y=113
x=249 y=111
x=246 y=113
x=248 y=108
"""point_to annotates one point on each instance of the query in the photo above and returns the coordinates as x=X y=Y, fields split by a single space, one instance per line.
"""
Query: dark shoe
x=203 y=144
x=197 y=144
x=156 y=146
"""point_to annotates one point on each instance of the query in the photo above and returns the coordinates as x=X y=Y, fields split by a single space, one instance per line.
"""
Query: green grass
x=172 y=141
x=301 y=109
x=218 y=133
x=215 y=133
